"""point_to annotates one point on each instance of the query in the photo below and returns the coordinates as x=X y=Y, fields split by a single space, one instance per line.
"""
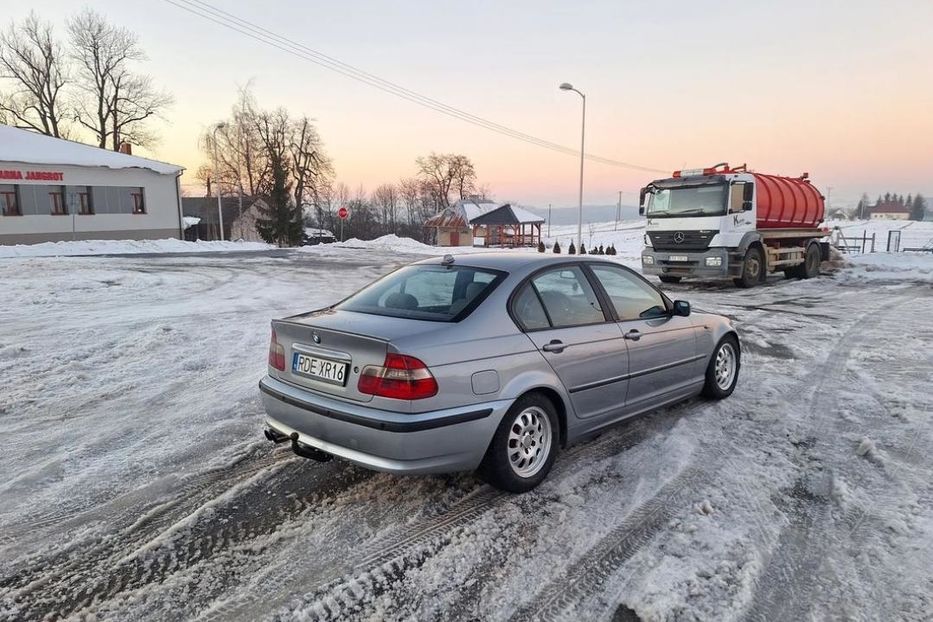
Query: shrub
x=572 y=250
x=540 y=246
x=557 y=246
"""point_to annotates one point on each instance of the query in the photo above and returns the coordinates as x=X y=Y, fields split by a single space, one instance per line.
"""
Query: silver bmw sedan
x=491 y=362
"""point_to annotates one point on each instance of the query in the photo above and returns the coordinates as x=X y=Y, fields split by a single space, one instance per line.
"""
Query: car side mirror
x=681 y=308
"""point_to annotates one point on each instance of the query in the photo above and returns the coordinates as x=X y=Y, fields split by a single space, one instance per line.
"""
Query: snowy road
x=134 y=483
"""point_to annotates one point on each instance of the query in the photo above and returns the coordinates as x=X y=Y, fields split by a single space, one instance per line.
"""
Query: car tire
x=524 y=447
x=753 y=268
x=670 y=279
x=722 y=373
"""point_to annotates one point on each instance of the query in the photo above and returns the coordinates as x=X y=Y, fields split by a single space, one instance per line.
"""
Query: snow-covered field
x=135 y=483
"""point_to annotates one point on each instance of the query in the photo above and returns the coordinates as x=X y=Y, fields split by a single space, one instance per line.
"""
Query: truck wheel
x=670 y=279
x=753 y=267
x=811 y=265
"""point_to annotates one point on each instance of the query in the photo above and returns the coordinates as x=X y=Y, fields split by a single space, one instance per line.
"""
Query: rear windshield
x=426 y=292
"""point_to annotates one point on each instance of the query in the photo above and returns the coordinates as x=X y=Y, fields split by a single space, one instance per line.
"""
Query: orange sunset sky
x=843 y=90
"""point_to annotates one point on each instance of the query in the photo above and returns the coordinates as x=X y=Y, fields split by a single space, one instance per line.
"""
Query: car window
x=632 y=297
x=528 y=310
x=429 y=292
x=567 y=297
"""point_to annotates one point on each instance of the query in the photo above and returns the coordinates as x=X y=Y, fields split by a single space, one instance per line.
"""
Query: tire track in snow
x=83 y=558
x=787 y=582
x=386 y=559
x=589 y=573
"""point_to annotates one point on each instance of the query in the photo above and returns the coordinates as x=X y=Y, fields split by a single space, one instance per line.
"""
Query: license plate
x=678 y=258
x=325 y=370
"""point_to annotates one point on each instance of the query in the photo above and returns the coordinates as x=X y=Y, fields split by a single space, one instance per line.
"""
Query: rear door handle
x=633 y=334
x=556 y=346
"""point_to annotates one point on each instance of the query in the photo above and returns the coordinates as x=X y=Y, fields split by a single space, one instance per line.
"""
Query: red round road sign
x=343 y=213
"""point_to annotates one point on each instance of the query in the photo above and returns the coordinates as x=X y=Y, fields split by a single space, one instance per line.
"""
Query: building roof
x=473 y=207
x=447 y=218
x=507 y=215
x=18 y=145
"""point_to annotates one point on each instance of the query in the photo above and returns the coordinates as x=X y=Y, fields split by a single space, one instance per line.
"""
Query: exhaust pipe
x=306 y=451
x=275 y=436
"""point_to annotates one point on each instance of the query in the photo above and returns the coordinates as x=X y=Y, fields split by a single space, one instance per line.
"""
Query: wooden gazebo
x=508 y=225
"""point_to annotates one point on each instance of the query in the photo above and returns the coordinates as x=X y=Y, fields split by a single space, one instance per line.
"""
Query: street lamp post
x=220 y=212
x=566 y=86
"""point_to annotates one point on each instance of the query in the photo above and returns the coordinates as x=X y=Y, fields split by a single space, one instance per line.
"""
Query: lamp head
x=566 y=86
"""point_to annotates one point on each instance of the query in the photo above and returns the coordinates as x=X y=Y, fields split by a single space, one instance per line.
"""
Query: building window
x=9 y=206
x=57 y=200
x=84 y=203
x=139 y=207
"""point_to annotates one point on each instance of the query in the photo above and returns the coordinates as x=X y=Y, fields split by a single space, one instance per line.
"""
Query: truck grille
x=681 y=240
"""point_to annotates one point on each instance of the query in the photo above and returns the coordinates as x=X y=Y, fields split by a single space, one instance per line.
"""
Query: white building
x=53 y=189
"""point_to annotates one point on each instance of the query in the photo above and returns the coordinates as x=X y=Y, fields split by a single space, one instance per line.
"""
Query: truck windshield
x=707 y=200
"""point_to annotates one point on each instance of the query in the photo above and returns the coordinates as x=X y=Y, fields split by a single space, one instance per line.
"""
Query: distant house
x=452 y=225
x=890 y=211
x=239 y=218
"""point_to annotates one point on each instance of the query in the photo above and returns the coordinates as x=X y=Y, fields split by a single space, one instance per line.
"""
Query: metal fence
x=898 y=238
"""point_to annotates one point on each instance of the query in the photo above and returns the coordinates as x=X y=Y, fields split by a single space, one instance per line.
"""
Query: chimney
x=126 y=148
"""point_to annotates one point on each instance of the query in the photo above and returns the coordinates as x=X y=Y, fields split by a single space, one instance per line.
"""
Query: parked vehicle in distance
x=721 y=222
x=491 y=362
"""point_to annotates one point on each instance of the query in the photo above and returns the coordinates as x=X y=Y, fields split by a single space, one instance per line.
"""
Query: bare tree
x=116 y=102
x=409 y=191
x=386 y=199
x=32 y=60
x=311 y=168
x=445 y=173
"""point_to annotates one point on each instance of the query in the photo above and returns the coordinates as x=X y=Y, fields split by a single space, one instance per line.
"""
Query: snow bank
x=125 y=247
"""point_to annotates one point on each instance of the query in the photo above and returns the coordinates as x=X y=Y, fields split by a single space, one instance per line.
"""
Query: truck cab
x=706 y=223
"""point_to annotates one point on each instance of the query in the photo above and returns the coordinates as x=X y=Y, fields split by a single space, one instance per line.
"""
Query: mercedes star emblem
x=679 y=237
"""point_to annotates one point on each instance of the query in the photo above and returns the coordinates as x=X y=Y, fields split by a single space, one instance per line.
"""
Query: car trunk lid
x=324 y=340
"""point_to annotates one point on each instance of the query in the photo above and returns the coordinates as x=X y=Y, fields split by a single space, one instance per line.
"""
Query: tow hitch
x=306 y=451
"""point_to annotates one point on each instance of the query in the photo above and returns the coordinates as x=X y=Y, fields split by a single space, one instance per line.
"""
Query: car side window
x=568 y=298
x=528 y=310
x=632 y=298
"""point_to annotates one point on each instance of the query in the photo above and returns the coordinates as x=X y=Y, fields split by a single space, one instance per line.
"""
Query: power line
x=227 y=20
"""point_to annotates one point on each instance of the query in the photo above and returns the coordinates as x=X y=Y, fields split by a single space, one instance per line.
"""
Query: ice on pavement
x=135 y=483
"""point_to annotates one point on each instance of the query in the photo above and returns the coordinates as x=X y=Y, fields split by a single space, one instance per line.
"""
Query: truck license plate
x=678 y=258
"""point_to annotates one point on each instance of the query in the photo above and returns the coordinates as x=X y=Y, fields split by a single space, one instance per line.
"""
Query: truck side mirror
x=641 y=201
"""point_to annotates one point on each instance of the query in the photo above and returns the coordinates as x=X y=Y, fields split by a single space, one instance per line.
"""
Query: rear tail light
x=276 y=353
x=400 y=377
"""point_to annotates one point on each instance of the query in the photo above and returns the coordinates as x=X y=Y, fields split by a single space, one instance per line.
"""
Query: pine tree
x=918 y=209
x=887 y=197
x=540 y=246
x=280 y=222
x=582 y=248
x=557 y=247
x=572 y=250
x=601 y=250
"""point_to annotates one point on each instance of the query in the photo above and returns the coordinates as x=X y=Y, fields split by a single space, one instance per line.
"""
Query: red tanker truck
x=723 y=222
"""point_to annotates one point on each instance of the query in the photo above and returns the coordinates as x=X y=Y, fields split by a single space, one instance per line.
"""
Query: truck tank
x=788 y=202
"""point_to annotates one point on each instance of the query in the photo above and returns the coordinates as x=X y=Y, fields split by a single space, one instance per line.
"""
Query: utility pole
x=618 y=212
x=829 y=197
x=548 y=220
x=220 y=212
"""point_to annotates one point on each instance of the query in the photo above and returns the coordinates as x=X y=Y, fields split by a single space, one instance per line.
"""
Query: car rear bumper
x=441 y=441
